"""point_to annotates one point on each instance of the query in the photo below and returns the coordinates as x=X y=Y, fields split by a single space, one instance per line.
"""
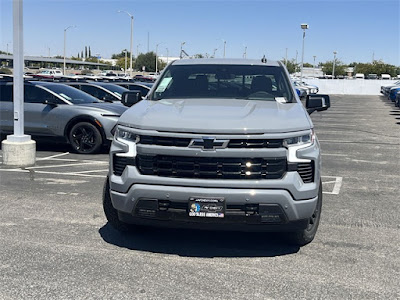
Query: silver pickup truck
x=218 y=144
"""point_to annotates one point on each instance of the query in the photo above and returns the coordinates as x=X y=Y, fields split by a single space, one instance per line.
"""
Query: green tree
x=148 y=60
x=121 y=63
x=340 y=68
x=5 y=71
x=291 y=66
x=121 y=55
x=198 y=55
x=307 y=65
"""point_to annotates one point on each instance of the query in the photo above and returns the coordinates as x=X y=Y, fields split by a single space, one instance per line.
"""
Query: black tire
x=85 y=138
x=303 y=237
x=111 y=213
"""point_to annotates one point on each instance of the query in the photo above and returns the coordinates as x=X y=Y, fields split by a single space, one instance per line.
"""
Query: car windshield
x=116 y=89
x=249 y=82
x=71 y=94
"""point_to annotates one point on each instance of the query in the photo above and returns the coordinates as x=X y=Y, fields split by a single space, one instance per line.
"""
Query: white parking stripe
x=91 y=171
x=67 y=165
x=53 y=173
x=53 y=156
x=336 y=188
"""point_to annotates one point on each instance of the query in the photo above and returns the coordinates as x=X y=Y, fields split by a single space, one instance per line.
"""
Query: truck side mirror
x=317 y=103
x=130 y=98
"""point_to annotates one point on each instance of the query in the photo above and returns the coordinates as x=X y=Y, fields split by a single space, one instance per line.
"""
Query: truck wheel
x=305 y=236
x=85 y=138
x=110 y=212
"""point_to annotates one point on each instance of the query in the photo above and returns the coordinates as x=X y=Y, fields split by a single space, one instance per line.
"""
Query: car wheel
x=110 y=212
x=85 y=138
x=306 y=235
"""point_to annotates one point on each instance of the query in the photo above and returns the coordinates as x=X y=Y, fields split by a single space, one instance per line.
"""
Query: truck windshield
x=248 y=82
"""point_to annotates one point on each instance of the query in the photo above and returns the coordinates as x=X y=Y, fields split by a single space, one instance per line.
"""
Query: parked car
x=51 y=73
x=311 y=89
x=218 y=144
x=386 y=77
x=397 y=100
x=393 y=92
x=143 y=87
x=385 y=89
x=359 y=76
x=101 y=90
x=143 y=78
x=61 y=113
x=372 y=76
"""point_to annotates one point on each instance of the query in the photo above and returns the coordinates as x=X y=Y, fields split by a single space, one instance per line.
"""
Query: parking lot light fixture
x=126 y=55
x=304 y=26
x=157 y=57
x=131 y=43
x=314 y=56
x=180 y=55
x=65 y=41
x=167 y=55
x=334 y=62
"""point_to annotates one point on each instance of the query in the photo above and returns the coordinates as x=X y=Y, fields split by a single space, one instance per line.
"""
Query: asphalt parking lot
x=56 y=243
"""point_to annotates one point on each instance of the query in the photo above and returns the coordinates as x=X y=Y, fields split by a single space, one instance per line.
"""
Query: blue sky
x=356 y=29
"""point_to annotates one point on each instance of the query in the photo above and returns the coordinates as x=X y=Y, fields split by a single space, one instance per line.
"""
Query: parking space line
x=53 y=156
x=336 y=188
x=91 y=171
x=52 y=173
x=66 y=165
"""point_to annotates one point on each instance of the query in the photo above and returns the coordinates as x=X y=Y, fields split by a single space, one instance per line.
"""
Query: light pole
x=224 y=47
x=215 y=50
x=157 y=57
x=286 y=59
x=130 y=54
x=126 y=54
x=334 y=62
x=314 y=64
x=304 y=27
x=167 y=55
x=245 y=52
x=65 y=39
x=180 y=55
x=137 y=50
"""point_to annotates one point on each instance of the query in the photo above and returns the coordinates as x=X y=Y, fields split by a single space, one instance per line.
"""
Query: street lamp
x=224 y=47
x=157 y=57
x=167 y=55
x=314 y=64
x=215 y=50
x=180 y=55
x=304 y=27
x=334 y=62
x=137 y=50
x=130 y=64
x=65 y=39
x=245 y=52
x=126 y=54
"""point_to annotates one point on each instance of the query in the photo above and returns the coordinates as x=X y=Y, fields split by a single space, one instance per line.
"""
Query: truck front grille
x=233 y=143
x=211 y=167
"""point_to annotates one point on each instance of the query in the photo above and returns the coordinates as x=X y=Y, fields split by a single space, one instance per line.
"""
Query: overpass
x=36 y=62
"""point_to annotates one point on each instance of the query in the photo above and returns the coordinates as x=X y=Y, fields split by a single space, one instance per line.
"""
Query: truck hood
x=225 y=116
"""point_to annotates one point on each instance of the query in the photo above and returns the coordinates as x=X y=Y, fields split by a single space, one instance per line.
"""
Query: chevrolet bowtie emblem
x=208 y=143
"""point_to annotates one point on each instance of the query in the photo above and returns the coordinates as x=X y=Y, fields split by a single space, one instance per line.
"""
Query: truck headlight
x=304 y=140
x=123 y=135
x=296 y=143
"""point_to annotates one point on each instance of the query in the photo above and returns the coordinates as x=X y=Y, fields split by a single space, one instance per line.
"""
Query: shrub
x=5 y=71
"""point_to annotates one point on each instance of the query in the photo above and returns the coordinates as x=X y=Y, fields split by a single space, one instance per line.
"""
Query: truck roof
x=225 y=61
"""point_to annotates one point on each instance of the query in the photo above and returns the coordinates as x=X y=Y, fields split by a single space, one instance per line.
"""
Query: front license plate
x=207 y=207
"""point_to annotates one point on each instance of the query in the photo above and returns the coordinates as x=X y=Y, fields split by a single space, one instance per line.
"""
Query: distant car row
x=392 y=92
x=72 y=111
x=303 y=89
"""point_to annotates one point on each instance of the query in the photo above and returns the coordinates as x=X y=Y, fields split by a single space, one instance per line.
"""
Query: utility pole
x=167 y=55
